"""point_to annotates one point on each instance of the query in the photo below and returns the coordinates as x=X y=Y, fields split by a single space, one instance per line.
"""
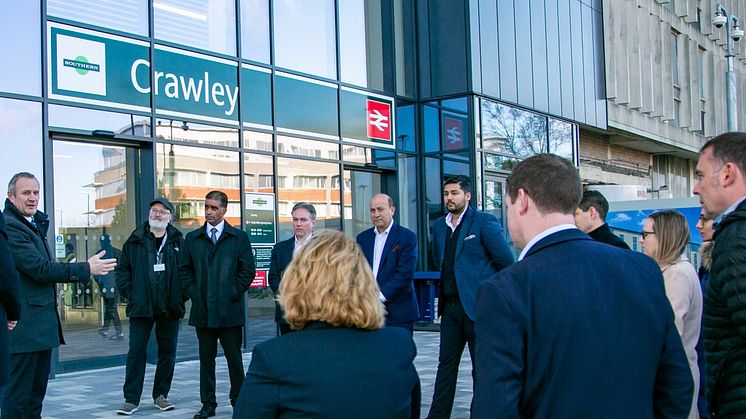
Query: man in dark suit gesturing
x=391 y=251
x=304 y=219
x=468 y=248
x=575 y=328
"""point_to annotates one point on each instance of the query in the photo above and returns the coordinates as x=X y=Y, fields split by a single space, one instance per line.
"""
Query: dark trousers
x=166 y=336
x=111 y=315
x=25 y=391
x=456 y=330
x=230 y=339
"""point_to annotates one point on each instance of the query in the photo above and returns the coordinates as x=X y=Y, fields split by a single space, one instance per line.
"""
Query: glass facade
x=297 y=101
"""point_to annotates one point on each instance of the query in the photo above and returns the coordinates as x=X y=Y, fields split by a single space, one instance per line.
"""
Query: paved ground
x=97 y=393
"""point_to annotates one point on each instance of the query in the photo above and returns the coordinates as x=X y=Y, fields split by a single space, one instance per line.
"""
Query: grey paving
x=97 y=393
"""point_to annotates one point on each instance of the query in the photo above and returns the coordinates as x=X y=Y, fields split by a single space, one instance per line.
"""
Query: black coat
x=40 y=328
x=144 y=288
x=330 y=372
x=282 y=254
x=725 y=317
x=604 y=234
x=10 y=307
x=217 y=276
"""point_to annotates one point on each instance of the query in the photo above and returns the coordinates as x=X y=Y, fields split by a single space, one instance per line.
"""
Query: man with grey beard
x=148 y=277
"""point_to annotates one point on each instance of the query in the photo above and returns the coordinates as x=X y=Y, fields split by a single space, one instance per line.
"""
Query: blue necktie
x=33 y=223
x=214 y=235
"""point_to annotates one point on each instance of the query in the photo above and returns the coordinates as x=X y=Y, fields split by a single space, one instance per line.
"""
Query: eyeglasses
x=704 y=219
x=645 y=234
x=159 y=211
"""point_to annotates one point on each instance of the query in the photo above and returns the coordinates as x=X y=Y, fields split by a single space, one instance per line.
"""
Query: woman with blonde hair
x=341 y=363
x=665 y=235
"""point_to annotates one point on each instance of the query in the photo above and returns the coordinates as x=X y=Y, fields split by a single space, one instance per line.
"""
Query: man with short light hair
x=391 y=251
x=721 y=186
x=148 y=277
x=573 y=328
x=39 y=329
x=304 y=221
x=590 y=217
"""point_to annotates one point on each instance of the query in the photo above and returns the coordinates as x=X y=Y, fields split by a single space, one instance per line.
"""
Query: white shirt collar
x=449 y=218
x=730 y=209
x=385 y=232
x=305 y=240
x=543 y=234
x=219 y=227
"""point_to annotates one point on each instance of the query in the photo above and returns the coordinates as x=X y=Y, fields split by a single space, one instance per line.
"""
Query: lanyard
x=158 y=254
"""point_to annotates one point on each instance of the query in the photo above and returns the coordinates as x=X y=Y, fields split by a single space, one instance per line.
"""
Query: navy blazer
x=323 y=371
x=10 y=308
x=395 y=271
x=481 y=252
x=579 y=329
x=281 y=256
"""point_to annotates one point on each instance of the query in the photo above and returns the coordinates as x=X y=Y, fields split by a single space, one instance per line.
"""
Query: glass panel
x=305 y=105
x=191 y=132
x=561 y=138
x=256 y=96
x=493 y=198
x=407 y=204
x=307 y=148
x=405 y=128
x=384 y=158
x=404 y=47
x=20 y=38
x=432 y=129
x=455 y=131
x=91 y=120
x=308 y=181
x=452 y=168
x=209 y=25
x=360 y=43
x=21 y=141
x=363 y=185
x=499 y=162
x=304 y=36
x=94 y=211
x=257 y=140
x=433 y=202
x=356 y=154
x=512 y=131
x=255 y=30
x=458 y=104
x=123 y=15
x=258 y=181
x=186 y=174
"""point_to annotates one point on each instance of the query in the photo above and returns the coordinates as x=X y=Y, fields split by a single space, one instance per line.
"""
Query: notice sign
x=262 y=256
x=453 y=133
x=367 y=118
x=260 y=217
x=260 y=280
x=379 y=120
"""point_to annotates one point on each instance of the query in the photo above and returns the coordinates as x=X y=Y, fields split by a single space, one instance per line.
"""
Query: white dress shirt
x=380 y=243
x=298 y=244
x=218 y=227
x=449 y=219
x=545 y=233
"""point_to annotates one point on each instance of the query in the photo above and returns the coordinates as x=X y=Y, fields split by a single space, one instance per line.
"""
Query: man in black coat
x=39 y=330
x=218 y=267
x=148 y=277
x=304 y=219
x=590 y=217
x=10 y=307
x=721 y=186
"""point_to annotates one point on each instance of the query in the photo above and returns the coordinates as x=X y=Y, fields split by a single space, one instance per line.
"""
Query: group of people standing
x=577 y=325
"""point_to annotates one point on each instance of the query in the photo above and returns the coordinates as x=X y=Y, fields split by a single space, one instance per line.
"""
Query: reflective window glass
x=186 y=174
x=408 y=204
x=257 y=140
x=452 y=168
x=20 y=38
x=209 y=25
x=123 y=15
x=513 y=131
x=21 y=141
x=499 y=162
x=360 y=43
x=459 y=104
x=455 y=131
x=304 y=36
x=433 y=202
x=360 y=187
x=308 y=181
x=405 y=128
x=405 y=47
x=306 y=106
x=432 y=129
x=93 y=120
x=307 y=148
x=255 y=30
x=192 y=132
x=256 y=96
x=561 y=138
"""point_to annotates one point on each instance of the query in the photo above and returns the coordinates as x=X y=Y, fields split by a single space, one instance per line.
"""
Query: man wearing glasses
x=148 y=277
x=721 y=187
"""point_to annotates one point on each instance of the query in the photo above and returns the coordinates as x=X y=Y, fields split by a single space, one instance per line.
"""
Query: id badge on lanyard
x=159 y=266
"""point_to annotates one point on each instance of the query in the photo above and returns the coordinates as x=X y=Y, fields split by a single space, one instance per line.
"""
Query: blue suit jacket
x=395 y=272
x=577 y=329
x=481 y=252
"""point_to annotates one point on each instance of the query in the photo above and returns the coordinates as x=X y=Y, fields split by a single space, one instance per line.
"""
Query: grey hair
x=14 y=180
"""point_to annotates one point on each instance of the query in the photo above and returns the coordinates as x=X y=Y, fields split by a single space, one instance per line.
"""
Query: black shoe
x=206 y=412
x=104 y=333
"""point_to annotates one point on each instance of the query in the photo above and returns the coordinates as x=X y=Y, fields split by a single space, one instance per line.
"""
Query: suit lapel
x=369 y=243
x=465 y=227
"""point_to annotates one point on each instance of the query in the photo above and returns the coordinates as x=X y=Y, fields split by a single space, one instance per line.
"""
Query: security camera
x=719 y=20
x=736 y=34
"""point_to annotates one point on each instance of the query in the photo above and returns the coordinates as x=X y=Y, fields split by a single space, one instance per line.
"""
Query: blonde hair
x=672 y=233
x=330 y=281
